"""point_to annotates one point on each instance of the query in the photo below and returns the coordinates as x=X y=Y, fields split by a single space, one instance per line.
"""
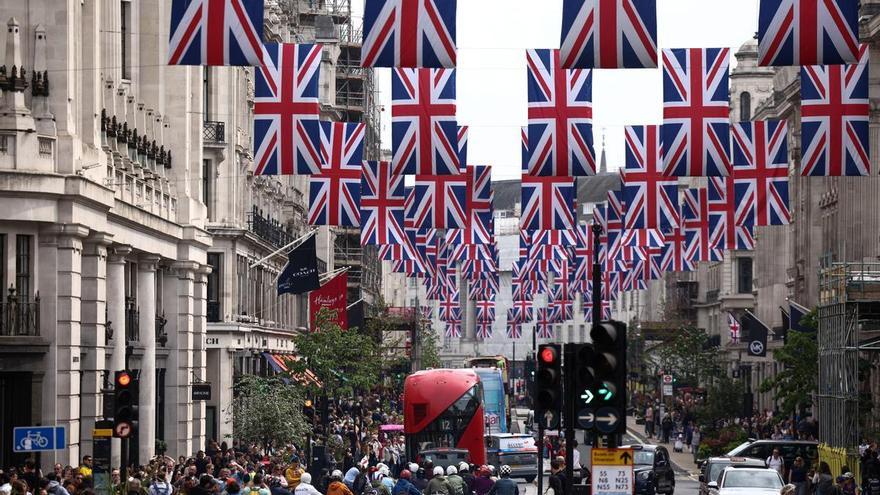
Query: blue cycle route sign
x=38 y=438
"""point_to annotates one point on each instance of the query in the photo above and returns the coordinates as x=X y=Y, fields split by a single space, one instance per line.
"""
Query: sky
x=491 y=74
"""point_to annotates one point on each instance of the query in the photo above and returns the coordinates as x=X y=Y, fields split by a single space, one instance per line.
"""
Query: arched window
x=745 y=107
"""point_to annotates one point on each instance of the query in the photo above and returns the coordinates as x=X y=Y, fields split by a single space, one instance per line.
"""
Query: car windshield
x=752 y=479
x=643 y=458
x=715 y=470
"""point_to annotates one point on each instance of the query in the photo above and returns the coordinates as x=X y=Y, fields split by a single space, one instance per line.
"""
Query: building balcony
x=213 y=132
x=268 y=229
x=132 y=321
x=19 y=318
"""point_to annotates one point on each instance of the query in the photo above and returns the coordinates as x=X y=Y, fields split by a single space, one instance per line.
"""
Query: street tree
x=342 y=360
x=268 y=412
x=723 y=397
x=428 y=347
x=795 y=384
x=689 y=357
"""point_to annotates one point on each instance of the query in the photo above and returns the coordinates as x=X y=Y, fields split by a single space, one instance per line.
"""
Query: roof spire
x=603 y=163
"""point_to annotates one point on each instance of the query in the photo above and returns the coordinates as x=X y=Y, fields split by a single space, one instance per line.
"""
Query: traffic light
x=548 y=380
x=609 y=376
x=125 y=409
x=584 y=375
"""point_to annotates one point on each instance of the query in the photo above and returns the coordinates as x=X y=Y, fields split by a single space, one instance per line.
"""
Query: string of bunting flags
x=441 y=230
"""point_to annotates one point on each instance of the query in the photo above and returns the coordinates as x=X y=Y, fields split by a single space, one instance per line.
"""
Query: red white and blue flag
x=760 y=172
x=286 y=109
x=479 y=229
x=675 y=253
x=724 y=232
x=697 y=226
x=547 y=203
x=696 y=128
x=521 y=312
x=382 y=205
x=424 y=132
x=335 y=193
x=834 y=119
x=734 y=326
x=484 y=329
x=463 y=132
x=808 y=32
x=560 y=133
x=514 y=330
x=216 y=32
x=609 y=34
x=453 y=329
x=544 y=323
x=485 y=310
x=651 y=197
x=440 y=201
x=409 y=33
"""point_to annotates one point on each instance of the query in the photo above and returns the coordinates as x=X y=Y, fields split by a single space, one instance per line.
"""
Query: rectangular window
x=215 y=260
x=3 y=284
x=124 y=23
x=206 y=94
x=207 y=183
x=744 y=275
x=23 y=267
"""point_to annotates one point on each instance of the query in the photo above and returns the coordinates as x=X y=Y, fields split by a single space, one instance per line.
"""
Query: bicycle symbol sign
x=38 y=438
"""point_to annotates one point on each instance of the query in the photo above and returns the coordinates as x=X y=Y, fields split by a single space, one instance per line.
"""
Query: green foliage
x=723 y=399
x=268 y=412
x=796 y=383
x=689 y=357
x=428 y=347
x=343 y=360
x=721 y=442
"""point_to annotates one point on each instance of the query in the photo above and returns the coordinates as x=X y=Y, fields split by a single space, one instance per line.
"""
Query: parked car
x=788 y=449
x=517 y=451
x=444 y=457
x=653 y=469
x=747 y=481
x=713 y=467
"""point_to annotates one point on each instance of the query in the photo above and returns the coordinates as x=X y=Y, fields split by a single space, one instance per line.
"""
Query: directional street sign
x=613 y=472
x=38 y=438
x=607 y=419
x=586 y=419
x=551 y=420
x=587 y=396
x=667 y=379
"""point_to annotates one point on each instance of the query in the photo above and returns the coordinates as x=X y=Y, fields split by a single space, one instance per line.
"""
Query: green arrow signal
x=587 y=396
x=605 y=393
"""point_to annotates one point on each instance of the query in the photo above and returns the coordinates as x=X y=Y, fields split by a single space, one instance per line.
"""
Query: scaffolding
x=849 y=306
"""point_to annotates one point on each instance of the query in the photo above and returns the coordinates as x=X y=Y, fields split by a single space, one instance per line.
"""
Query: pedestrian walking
x=776 y=462
x=439 y=485
x=649 y=421
x=456 y=481
x=823 y=480
x=667 y=425
x=505 y=485
x=797 y=476
x=305 y=486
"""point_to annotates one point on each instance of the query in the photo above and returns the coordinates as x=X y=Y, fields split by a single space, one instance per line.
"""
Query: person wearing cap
x=404 y=485
x=293 y=473
x=505 y=485
x=337 y=487
x=439 y=485
x=847 y=483
x=456 y=481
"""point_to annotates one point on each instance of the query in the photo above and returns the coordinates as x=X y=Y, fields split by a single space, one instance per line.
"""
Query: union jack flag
x=583 y=259
x=734 y=327
x=524 y=142
x=675 y=253
x=760 y=172
x=561 y=301
x=472 y=252
x=479 y=229
x=811 y=32
x=697 y=226
x=382 y=205
x=424 y=132
x=633 y=278
x=560 y=117
x=453 y=329
x=609 y=34
x=696 y=128
x=643 y=238
x=216 y=32
x=286 y=129
x=834 y=119
x=335 y=193
x=514 y=331
x=439 y=201
x=485 y=288
x=547 y=203
x=450 y=307
x=647 y=264
x=485 y=310
x=409 y=33
x=614 y=214
x=484 y=330
x=546 y=244
x=544 y=323
x=521 y=312
x=463 y=132
x=426 y=312
x=651 y=197
x=588 y=307
x=724 y=232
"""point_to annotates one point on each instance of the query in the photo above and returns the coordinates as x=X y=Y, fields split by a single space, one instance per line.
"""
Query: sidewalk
x=682 y=462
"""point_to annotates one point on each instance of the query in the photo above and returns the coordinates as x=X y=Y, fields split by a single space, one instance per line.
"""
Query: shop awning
x=279 y=363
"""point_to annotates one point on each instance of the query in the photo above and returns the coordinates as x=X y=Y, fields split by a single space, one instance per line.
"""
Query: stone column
x=60 y=269
x=116 y=318
x=199 y=333
x=146 y=293
x=94 y=341
x=179 y=308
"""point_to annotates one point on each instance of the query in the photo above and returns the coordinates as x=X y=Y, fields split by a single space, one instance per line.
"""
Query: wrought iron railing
x=213 y=131
x=268 y=229
x=161 y=336
x=132 y=321
x=19 y=317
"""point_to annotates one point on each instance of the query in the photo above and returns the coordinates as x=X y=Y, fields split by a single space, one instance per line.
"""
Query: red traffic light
x=123 y=379
x=548 y=355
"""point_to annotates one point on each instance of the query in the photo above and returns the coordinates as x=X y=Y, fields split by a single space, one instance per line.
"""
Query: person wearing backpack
x=455 y=481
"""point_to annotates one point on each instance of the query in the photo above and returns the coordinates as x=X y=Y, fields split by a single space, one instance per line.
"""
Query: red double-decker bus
x=444 y=409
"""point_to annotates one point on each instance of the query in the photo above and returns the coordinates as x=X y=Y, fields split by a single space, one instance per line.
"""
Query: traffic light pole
x=569 y=418
x=597 y=274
